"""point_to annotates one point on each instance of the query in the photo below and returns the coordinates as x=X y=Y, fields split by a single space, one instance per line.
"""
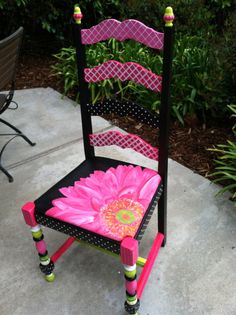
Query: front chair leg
x=46 y=265
x=129 y=256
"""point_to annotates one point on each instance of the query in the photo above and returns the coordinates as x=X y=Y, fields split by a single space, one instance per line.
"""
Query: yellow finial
x=169 y=17
x=77 y=14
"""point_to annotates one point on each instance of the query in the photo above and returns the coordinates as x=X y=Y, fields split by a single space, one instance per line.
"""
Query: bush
x=199 y=17
x=192 y=17
x=225 y=170
x=204 y=80
x=227 y=51
x=42 y=18
x=193 y=85
x=101 y=52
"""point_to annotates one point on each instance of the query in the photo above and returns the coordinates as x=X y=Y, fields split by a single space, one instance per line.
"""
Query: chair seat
x=102 y=199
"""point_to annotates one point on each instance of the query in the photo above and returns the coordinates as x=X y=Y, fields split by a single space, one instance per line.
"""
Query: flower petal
x=149 y=188
x=70 y=216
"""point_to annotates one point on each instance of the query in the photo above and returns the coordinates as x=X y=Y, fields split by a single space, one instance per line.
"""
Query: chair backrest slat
x=129 y=29
x=9 y=52
x=127 y=71
x=7 y=48
x=129 y=141
x=7 y=67
x=6 y=76
x=125 y=108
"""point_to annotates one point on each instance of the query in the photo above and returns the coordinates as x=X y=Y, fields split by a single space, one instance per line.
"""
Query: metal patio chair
x=104 y=202
x=9 y=53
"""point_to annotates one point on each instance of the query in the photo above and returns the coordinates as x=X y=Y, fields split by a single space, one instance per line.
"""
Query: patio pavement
x=194 y=274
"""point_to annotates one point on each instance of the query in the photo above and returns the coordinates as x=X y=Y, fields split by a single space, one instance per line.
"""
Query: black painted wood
x=125 y=108
x=84 y=95
x=164 y=128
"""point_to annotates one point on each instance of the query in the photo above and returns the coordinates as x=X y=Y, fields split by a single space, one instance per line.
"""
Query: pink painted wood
x=149 y=264
x=131 y=286
x=124 y=141
x=28 y=213
x=41 y=247
x=129 y=251
x=62 y=249
x=128 y=29
x=124 y=71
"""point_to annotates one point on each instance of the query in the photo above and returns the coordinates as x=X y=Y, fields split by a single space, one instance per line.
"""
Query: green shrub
x=225 y=170
x=195 y=67
x=101 y=52
x=204 y=79
x=227 y=51
x=192 y=17
x=51 y=17
x=193 y=84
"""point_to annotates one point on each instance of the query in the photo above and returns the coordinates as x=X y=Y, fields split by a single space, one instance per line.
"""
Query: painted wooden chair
x=104 y=202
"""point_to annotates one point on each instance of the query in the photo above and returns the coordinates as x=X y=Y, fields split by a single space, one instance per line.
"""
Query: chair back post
x=165 y=117
x=84 y=95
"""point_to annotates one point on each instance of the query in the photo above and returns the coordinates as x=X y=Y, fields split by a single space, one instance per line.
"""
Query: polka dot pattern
x=148 y=215
x=75 y=231
x=125 y=109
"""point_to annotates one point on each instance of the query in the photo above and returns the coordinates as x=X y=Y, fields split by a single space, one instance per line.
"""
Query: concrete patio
x=194 y=274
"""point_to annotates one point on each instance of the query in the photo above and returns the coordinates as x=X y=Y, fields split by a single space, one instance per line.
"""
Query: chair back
x=9 y=53
x=128 y=29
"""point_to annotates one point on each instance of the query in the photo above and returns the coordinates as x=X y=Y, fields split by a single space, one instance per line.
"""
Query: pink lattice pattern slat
x=129 y=29
x=127 y=71
x=124 y=141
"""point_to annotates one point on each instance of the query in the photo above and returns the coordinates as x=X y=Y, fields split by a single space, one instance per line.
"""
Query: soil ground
x=189 y=144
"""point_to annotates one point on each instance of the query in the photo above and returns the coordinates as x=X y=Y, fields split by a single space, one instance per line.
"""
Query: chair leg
x=18 y=134
x=162 y=216
x=46 y=265
x=129 y=256
x=10 y=178
x=17 y=131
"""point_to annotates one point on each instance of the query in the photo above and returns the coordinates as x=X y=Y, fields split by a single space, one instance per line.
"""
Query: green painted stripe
x=130 y=274
x=44 y=258
x=37 y=234
x=131 y=298
x=50 y=278
x=98 y=248
x=140 y=262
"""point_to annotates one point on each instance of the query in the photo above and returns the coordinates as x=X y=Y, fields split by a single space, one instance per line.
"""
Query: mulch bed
x=189 y=144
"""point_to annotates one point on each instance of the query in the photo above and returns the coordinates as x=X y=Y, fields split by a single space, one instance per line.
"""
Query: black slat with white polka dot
x=126 y=108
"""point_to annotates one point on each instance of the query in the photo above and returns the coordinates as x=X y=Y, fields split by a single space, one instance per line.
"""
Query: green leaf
x=178 y=114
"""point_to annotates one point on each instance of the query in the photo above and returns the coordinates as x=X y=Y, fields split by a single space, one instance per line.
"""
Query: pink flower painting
x=110 y=203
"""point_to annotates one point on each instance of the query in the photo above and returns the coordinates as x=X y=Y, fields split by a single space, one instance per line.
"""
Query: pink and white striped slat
x=124 y=141
x=129 y=29
x=124 y=71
